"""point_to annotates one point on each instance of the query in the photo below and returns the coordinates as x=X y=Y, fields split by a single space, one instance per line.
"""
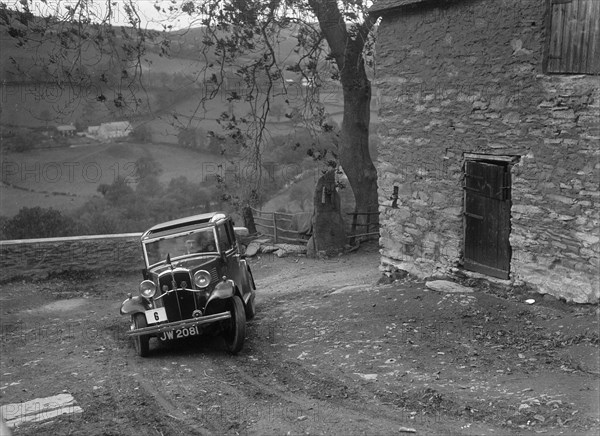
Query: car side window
x=231 y=233
x=225 y=242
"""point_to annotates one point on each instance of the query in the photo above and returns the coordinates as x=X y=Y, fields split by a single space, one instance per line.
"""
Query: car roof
x=174 y=226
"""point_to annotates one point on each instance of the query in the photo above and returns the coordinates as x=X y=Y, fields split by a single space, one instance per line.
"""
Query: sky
x=150 y=17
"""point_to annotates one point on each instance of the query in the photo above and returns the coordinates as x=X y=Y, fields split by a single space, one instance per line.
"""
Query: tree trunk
x=248 y=218
x=354 y=149
x=347 y=50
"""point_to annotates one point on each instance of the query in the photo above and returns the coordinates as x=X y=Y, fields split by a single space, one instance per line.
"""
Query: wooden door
x=573 y=37
x=487 y=218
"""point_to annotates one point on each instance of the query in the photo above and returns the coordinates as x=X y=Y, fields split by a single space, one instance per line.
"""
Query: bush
x=142 y=133
x=37 y=222
x=24 y=141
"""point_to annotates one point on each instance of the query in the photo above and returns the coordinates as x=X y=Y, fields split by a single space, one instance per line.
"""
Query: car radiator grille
x=179 y=304
x=214 y=276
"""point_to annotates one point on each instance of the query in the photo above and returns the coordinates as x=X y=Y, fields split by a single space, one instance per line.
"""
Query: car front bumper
x=185 y=323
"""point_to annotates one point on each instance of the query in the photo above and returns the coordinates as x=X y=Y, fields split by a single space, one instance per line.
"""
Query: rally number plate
x=156 y=315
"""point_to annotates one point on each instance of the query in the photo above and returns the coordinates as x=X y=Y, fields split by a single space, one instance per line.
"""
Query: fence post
x=353 y=230
x=275 y=226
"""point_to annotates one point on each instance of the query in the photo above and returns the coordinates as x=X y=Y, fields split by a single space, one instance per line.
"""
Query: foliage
x=37 y=222
x=23 y=141
x=3 y=221
x=297 y=145
x=239 y=42
x=147 y=167
x=333 y=43
x=118 y=193
x=192 y=138
x=142 y=133
x=132 y=205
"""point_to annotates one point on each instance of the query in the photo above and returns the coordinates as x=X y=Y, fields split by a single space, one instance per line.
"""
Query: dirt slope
x=329 y=352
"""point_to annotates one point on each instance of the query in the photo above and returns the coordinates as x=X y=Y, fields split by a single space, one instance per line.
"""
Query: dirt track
x=329 y=352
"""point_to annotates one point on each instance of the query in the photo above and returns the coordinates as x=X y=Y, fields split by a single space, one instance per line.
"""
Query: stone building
x=66 y=130
x=489 y=156
x=116 y=129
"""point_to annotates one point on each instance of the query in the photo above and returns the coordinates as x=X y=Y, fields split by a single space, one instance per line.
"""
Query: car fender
x=133 y=305
x=223 y=290
x=249 y=275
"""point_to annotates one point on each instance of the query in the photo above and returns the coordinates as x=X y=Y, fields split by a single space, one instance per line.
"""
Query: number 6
x=156 y=317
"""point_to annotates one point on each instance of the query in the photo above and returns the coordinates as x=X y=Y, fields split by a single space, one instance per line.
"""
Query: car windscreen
x=180 y=245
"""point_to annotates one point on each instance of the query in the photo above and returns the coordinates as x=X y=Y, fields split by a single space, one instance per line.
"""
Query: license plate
x=180 y=333
x=156 y=315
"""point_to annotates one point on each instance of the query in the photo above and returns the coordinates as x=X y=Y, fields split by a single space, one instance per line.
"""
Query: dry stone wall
x=467 y=78
x=38 y=258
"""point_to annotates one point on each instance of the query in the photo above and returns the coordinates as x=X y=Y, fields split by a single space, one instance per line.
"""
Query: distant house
x=489 y=140
x=66 y=130
x=116 y=129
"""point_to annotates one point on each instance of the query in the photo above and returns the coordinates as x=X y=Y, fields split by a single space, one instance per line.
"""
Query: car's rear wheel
x=142 y=343
x=235 y=333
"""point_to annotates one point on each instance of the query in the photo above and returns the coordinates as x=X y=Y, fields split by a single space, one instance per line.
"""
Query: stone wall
x=467 y=78
x=37 y=258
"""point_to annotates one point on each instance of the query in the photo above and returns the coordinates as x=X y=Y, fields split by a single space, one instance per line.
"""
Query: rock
x=348 y=288
x=252 y=248
x=397 y=274
x=256 y=246
x=447 y=287
x=328 y=226
x=302 y=355
x=550 y=298
x=385 y=280
x=368 y=377
x=268 y=248
x=292 y=248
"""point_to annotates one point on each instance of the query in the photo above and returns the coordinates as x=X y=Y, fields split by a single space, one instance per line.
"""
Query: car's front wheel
x=142 y=343
x=235 y=333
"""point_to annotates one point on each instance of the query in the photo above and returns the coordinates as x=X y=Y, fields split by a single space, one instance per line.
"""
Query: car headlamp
x=147 y=289
x=202 y=279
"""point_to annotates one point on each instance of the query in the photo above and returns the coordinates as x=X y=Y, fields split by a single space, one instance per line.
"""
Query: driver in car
x=191 y=246
x=205 y=242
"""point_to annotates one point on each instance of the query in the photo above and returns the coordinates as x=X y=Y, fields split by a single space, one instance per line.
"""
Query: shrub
x=37 y=222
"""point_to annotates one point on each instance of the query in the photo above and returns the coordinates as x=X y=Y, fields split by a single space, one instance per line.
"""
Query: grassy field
x=65 y=178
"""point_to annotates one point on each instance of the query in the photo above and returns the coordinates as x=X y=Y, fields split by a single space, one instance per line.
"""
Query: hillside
x=58 y=74
x=66 y=178
x=170 y=96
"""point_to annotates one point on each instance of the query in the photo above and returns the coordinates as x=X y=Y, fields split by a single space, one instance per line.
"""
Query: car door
x=235 y=267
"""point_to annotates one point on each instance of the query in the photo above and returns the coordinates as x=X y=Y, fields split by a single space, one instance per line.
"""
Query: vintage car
x=195 y=281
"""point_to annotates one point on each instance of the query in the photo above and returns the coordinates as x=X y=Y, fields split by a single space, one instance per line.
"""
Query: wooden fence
x=277 y=225
x=368 y=233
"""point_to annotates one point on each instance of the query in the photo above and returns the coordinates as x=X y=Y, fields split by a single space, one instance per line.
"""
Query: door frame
x=504 y=160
